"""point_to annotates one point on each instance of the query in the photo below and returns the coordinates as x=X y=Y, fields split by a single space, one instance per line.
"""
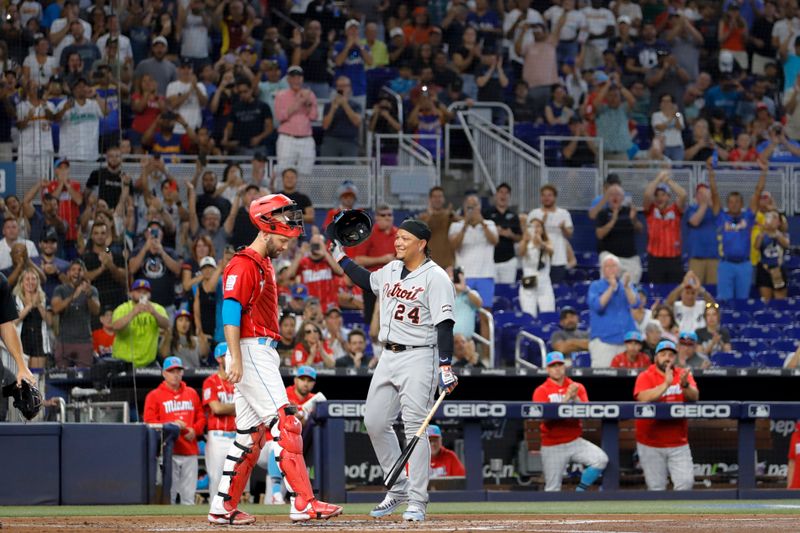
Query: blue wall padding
x=29 y=464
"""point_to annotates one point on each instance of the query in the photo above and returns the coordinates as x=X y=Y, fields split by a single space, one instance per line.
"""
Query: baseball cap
x=700 y=186
x=312 y=300
x=186 y=62
x=350 y=23
x=726 y=61
x=307 y=371
x=212 y=210
x=332 y=309
x=434 y=431
x=294 y=71
x=613 y=179
x=634 y=336
x=666 y=345
x=624 y=19
x=600 y=76
x=762 y=105
x=49 y=235
x=62 y=161
x=208 y=261
x=553 y=358
x=160 y=40
x=140 y=284
x=182 y=312
x=396 y=32
x=220 y=350
x=347 y=187
x=663 y=187
x=172 y=362
x=299 y=291
x=259 y=156
x=689 y=336
x=244 y=48
x=567 y=310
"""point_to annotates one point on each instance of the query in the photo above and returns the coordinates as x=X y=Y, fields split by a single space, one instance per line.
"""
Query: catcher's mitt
x=27 y=399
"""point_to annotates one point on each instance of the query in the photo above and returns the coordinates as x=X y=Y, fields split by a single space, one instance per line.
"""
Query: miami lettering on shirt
x=397 y=291
x=673 y=390
x=556 y=397
x=173 y=406
x=669 y=215
x=310 y=276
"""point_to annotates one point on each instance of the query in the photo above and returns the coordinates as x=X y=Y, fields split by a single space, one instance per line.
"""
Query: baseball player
x=221 y=415
x=561 y=439
x=250 y=319
x=416 y=300
x=663 y=445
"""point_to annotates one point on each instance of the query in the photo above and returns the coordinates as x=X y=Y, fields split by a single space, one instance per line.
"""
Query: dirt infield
x=441 y=523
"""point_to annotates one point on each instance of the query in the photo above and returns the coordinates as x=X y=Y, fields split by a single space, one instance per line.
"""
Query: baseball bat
x=400 y=464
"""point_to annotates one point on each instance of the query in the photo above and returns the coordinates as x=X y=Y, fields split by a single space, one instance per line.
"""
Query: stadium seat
x=581 y=360
x=735 y=360
x=548 y=318
x=576 y=274
x=756 y=332
x=506 y=326
x=531 y=351
x=350 y=316
x=771 y=359
x=748 y=346
x=501 y=303
x=784 y=345
x=562 y=290
x=506 y=290
x=735 y=317
x=587 y=259
x=772 y=316
x=789 y=304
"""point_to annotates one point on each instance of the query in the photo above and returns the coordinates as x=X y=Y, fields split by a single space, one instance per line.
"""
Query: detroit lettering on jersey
x=173 y=406
x=397 y=291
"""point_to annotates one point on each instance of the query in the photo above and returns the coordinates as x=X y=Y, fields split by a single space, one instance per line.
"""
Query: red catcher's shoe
x=315 y=510
x=234 y=518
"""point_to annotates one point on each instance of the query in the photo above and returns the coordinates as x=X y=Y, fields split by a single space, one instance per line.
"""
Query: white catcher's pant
x=404 y=383
x=257 y=398
x=539 y=299
x=658 y=462
x=217 y=444
x=556 y=458
x=184 y=479
x=296 y=152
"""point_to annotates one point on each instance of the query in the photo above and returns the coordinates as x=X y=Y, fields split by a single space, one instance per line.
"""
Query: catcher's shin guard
x=286 y=431
x=241 y=458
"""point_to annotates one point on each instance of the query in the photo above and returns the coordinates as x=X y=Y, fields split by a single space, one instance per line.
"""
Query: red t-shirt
x=300 y=354
x=794 y=452
x=446 y=463
x=662 y=433
x=164 y=405
x=558 y=431
x=319 y=278
x=291 y=393
x=250 y=280
x=664 y=231
x=379 y=243
x=220 y=390
x=142 y=121
x=68 y=210
x=102 y=342
x=738 y=155
x=621 y=361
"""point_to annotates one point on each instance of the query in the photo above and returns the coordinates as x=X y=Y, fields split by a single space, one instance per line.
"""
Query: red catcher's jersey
x=250 y=280
x=220 y=390
x=559 y=431
x=163 y=405
x=662 y=433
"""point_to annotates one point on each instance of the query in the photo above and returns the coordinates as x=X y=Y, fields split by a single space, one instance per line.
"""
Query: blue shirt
x=110 y=122
x=725 y=100
x=464 y=313
x=702 y=239
x=735 y=233
x=771 y=251
x=353 y=68
x=610 y=324
x=780 y=154
x=791 y=68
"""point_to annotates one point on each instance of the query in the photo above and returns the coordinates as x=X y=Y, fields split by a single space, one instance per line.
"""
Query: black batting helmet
x=350 y=227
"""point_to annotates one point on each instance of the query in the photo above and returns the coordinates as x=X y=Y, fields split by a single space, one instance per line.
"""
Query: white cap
x=624 y=19
x=351 y=22
x=208 y=261
x=160 y=39
x=396 y=31
x=726 y=61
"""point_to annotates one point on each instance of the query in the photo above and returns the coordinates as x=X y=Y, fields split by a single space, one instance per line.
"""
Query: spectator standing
x=107 y=182
x=558 y=227
x=207 y=296
x=772 y=277
x=465 y=308
x=664 y=261
x=686 y=43
x=600 y=26
x=702 y=237
x=146 y=105
x=317 y=269
x=713 y=337
x=760 y=38
x=376 y=251
x=486 y=22
x=734 y=226
x=187 y=97
x=34 y=320
x=158 y=264
x=733 y=34
x=351 y=59
x=688 y=310
x=157 y=66
x=295 y=109
x=444 y=462
x=75 y=302
x=540 y=63
x=8 y=113
x=289 y=189
x=35 y=151
x=536 y=251
x=663 y=445
x=668 y=78
x=688 y=357
x=79 y=132
x=105 y=269
x=310 y=52
x=183 y=339
x=569 y=339
x=192 y=24
x=68 y=193
x=632 y=357
x=610 y=299
x=39 y=67
x=238 y=224
x=249 y=124
x=81 y=45
x=175 y=403
x=616 y=226
x=341 y=121
x=561 y=439
x=103 y=337
x=668 y=122
x=53 y=267
x=612 y=115
x=378 y=49
x=506 y=220
x=11 y=237
x=439 y=216
x=136 y=324
x=209 y=197
x=19 y=262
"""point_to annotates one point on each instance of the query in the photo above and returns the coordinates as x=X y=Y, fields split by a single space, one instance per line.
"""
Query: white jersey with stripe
x=410 y=308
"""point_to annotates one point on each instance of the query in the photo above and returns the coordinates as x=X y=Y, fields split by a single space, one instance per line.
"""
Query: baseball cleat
x=387 y=506
x=315 y=510
x=234 y=518
x=414 y=514
x=278 y=499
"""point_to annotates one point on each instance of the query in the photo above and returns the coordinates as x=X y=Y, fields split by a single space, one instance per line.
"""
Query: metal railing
x=405 y=169
x=450 y=127
x=519 y=361
x=489 y=343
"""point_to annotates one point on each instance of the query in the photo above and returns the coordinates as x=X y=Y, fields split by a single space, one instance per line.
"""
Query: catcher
x=26 y=396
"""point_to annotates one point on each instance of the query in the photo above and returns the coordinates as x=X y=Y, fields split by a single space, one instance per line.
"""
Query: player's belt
x=394 y=347
x=263 y=341
x=220 y=433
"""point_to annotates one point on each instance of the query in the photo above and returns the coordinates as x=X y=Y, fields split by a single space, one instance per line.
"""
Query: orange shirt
x=219 y=390
x=794 y=452
x=446 y=463
x=164 y=405
x=664 y=231
x=102 y=342
x=68 y=210
x=662 y=433
x=559 y=431
x=621 y=361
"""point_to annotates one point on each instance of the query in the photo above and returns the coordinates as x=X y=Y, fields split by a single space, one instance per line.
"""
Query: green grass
x=788 y=507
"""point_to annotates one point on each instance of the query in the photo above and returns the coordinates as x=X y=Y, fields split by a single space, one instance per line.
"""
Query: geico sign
x=474 y=410
x=346 y=410
x=586 y=410
x=699 y=411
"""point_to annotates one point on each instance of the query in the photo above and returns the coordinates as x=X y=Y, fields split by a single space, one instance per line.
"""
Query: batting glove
x=447 y=379
x=337 y=251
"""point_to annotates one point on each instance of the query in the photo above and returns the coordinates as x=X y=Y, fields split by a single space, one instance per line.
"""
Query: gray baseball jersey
x=410 y=308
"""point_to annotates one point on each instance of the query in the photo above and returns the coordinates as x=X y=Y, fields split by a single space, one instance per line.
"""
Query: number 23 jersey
x=411 y=307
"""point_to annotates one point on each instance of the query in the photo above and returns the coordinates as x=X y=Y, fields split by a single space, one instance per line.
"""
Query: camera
x=316 y=247
x=458 y=275
x=153 y=232
x=424 y=88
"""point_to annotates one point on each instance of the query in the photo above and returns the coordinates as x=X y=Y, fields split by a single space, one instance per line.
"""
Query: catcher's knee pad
x=246 y=449
x=289 y=456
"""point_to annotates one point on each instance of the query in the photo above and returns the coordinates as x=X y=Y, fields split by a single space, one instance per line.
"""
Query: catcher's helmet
x=350 y=227
x=264 y=210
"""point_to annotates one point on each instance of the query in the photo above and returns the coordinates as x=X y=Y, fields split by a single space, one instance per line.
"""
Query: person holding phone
x=158 y=264
x=136 y=325
x=317 y=270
